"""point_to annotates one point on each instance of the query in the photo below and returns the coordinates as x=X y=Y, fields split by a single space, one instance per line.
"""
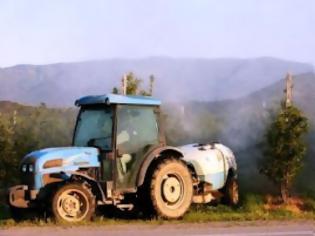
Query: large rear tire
x=73 y=202
x=171 y=189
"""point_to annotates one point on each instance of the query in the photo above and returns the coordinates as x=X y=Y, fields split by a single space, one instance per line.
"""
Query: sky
x=44 y=32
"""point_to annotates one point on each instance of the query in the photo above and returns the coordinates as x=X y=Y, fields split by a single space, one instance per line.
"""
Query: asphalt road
x=302 y=228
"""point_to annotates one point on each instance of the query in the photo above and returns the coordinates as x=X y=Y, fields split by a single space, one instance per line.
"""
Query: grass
x=252 y=208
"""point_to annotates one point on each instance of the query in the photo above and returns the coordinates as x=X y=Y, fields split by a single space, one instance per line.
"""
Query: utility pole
x=124 y=85
x=14 y=117
x=151 y=85
x=14 y=121
x=288 y=90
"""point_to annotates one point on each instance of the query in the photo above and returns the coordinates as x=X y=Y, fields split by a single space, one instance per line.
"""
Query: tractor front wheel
x=171 y=189
x=73 y=202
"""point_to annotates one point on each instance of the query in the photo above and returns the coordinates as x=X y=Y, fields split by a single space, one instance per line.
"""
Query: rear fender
x=154 y=155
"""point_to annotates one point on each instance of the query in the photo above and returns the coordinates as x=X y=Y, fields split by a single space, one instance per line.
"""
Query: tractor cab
x=124 y=129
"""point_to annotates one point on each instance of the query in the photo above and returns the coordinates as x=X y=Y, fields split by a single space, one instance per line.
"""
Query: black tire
x=230 y=192
x=171 y=189
x=73 y=202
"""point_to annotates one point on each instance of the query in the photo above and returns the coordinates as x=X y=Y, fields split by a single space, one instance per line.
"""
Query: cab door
x=137 y=133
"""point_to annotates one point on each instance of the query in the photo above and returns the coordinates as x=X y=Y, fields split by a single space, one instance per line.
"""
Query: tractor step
x=125 y=207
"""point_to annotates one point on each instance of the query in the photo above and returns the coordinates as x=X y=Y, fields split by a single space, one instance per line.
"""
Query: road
x=302 y=228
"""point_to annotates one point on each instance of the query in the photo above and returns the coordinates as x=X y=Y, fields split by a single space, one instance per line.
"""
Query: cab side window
x=136 y=129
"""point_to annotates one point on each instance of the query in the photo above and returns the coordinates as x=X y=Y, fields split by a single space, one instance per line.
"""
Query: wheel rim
x=72 y=205
x=172 y=190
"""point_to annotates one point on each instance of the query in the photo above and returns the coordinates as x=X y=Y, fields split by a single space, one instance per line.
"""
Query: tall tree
x=285 y=148
x=133 y=84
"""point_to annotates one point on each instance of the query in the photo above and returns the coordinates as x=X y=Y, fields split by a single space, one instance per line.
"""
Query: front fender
x=96 y=187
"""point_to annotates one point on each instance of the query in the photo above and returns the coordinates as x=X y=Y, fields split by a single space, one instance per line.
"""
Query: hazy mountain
x=177 y=79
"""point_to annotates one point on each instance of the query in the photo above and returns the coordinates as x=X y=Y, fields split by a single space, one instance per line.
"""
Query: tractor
x=119 y=157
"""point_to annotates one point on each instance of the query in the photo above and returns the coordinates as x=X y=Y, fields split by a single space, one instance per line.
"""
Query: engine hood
x=72 y=158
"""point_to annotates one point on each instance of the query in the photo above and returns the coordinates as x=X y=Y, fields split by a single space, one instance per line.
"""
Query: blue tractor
x=120 y=157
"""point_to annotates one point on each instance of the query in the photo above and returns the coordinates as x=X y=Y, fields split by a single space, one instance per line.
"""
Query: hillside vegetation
x=24 y=129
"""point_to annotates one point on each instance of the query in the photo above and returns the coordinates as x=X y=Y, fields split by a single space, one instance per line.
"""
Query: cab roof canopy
x=117 y=99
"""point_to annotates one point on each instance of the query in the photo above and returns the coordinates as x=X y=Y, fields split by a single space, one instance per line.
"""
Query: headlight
x=53 y=163
x=30 y=168
x=24 y=168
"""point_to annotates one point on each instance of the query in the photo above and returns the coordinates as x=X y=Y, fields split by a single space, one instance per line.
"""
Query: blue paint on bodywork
x=117 y=99
x=72 y=158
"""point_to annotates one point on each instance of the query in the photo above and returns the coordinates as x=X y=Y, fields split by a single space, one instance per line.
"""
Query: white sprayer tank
x=211 y=162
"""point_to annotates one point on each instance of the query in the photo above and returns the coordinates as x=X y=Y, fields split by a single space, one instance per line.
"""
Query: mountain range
x=176 y=79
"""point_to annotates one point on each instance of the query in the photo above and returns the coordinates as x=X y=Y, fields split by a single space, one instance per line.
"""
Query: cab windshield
x=94 y=128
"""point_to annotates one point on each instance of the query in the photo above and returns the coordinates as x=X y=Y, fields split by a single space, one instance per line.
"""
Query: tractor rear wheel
x=171 y=189
x=73 y=202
